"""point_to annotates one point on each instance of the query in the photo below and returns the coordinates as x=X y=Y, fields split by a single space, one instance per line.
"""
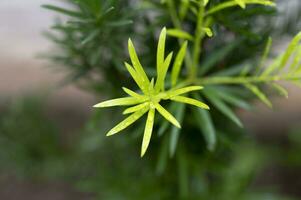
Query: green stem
x=197 y=43
x=244 y=80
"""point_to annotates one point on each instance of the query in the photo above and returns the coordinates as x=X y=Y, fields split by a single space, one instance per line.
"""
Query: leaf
x=120 y=23
x=161 y=50
x=136 y=78
x=205 y=125
x=190 y=101
x=165 y=124
x=241 y=3
x=148 y=130
x=265 y=54
x=135 y=108
x=297 y=58
x=281 y=90
x=175 y=132
x=184 y=90
x=119 y=102
x=163 y=157
x=222 y=107
x=162 y=73
x=136 y=63
x=131 y=92
x=90 y=37
x=179 y=34
x=63 y=11
x=208 y=31
x=259 y=94
x=167 y=115
x=290 y=49
x=184 y=8
x=127 y=122
x=178 y=64
x=273 y=67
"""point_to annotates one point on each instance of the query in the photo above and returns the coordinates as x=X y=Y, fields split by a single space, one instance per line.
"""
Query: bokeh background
x=41 y=116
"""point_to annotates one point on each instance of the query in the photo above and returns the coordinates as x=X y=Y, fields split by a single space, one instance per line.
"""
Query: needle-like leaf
x=184 y=90
x=178 y=63
x=162 y=73
x=148 y=130
x=179 y=34
x=136 y=77
x=161 y=50
x=167 y=115
x=259 y=94
x=131 y=92
x=127 y=122
x=119 y=102
x=135 y=108
x=190 y=101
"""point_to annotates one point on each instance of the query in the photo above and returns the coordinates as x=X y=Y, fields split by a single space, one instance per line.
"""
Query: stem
x=197 y=42
x=244 y=80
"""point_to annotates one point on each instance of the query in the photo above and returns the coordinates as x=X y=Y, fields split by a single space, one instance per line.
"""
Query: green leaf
x=241 y=3
x=162 y=73
x=178 y=64
x=120 y=102
x=183 y=90
x=136 y=63
x=167 y=115
x=135 y=108
x=184 y=8
x=265 y=54
x=222 y=107
x=163 y=157
x=175 y=132
x=141 y=84
x=190 y=101
x=148 y=130
x=208 y=31
x=297 y=58
x=165 y=124
x=179 y=34
x=127 y=122
x=205 y=125
x=161 y=50
x=281 y=90
x=290 y=49
x=63 y=11
x=131 y=92
x=259 y=94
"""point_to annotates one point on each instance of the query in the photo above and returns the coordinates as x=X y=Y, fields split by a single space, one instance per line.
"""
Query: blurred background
x=42 y=118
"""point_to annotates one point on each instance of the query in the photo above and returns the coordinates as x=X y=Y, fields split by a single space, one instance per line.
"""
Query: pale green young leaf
x=136 y=63
x=162 y=72
x=142 y=85
x=165 y=124
x=148 y=130
x=167 y=115
x=175 y=132
x=119 y=102
x=265 y=54
x=290 y=49
x=259 y=94
x=183 y=90
x=281 y=90
x=205 y=2
x=127 y=122
x=208 y=31
x=161 y=50
x=222 y=107
x=273 y=67
x=241 y=3
x=179 y=34
x=190 y=101
x=185 y=4
x=297 y=58
x=135 y=108
x=178 y=64
x=131 y=92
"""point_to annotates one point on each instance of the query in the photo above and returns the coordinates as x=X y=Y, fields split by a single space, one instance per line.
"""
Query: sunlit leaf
x=184 y=90
x=136 y=77
x=281 y=90
x=241 y=3
x=131 y=92
x=190 y=101
x=148 y=130
x=167 y=115
x=161 y=50
x=162 y=72
x=127 y=122
x=119 y=102
x=135 y=108
x=179 y=34
x=259 y=94
x=178 y=64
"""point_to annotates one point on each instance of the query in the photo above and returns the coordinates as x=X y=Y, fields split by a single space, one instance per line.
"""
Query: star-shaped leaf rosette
x=152 y=92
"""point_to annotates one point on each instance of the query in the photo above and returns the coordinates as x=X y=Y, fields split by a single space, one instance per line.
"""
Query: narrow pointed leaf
x=63 y=11
x=136 y=77
x=127 y=122
x=165 y=124
x=259 y=94
x=131 y=92
x=222 y=107
x=175 y=132
x=148 y=130
x=162 y=72
x=265 y=54
x=281 y=90
x=161 y=49
x=136 y=63
x=163 y=157
x=241 y=3
x=190 y=101
x=179 y=34
x=178 y=64
x=135 y=108
x=297 y=58
x=119 y=102
x=167 y=115
x=208 y=31
x=184 y=90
